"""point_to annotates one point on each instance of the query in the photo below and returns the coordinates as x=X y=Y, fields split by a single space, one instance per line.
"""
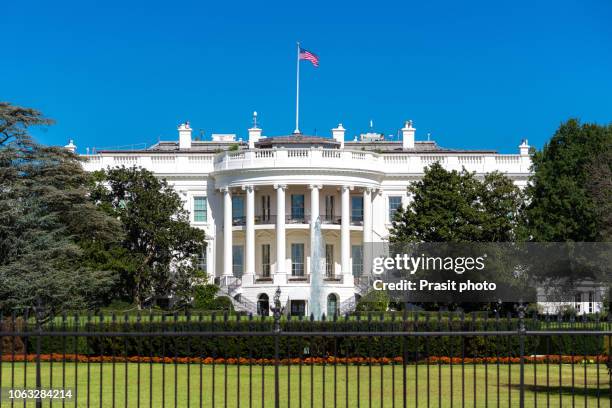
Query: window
x=297 y=207
x=298 y=308
x=237 y=260
x=395 y=202
x=202 y=257
x=577 y=301
x=356 y=209
x=329 y=260
x=297 y=259
x=332 y=305
x=329 y=208
x=357 y=259
x=237 y=210
x=199 y=209
x=265 y=261
x=266 y=214
x=263 y=305
x=591 y=302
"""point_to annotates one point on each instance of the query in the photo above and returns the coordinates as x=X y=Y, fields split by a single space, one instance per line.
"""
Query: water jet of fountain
x=316 y=269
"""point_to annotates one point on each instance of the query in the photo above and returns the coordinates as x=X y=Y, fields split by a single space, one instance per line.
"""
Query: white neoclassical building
x=257 y=201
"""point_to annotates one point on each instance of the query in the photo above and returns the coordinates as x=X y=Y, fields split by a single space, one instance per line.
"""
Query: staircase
x=228 y=286
x=363 y=285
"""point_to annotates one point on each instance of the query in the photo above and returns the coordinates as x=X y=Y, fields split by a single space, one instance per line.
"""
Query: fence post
x=521 y=333
x=277 y=329
x=38 y=317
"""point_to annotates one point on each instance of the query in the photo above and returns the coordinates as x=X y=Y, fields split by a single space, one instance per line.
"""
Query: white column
x=367 y=214
x=314 y=214
x=345 y=234
x=367 y=230
x=249 y=235
x=227 y=232
x=280 y=276
x=314 y=203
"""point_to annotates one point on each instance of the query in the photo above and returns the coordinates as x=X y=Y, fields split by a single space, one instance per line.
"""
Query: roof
x=419 y=147
x=297 y=139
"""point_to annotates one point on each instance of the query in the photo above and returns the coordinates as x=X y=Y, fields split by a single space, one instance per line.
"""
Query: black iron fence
x=370 y=360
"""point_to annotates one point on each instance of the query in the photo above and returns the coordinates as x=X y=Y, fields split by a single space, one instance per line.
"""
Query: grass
x=434 y=387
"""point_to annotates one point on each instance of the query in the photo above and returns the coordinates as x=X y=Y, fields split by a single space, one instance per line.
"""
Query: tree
x=158 y=236
x=569 y=193
x=457 y=208
x=452 y=206
x=599 y=187
x=45 y=217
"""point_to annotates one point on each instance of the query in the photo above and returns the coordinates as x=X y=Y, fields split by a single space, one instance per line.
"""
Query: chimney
x=254 y=132
x=184 y=136
x=408 y=135
x=524 y=148
x=338 y=135
x=71 y=147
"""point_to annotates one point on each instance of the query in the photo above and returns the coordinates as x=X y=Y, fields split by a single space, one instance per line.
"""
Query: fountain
x=316 y=267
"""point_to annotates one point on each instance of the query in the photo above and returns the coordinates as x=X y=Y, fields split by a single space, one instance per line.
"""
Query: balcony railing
x=370 y=161
x=239 y=220
x=297 y=219
x=265 y=219
x=331 y=219
x=299 y=278
x=308 y=158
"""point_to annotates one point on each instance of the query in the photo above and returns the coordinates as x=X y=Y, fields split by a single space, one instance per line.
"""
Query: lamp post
x=277 y=311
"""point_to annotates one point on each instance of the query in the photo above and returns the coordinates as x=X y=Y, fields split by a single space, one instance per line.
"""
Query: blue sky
x=473 y=74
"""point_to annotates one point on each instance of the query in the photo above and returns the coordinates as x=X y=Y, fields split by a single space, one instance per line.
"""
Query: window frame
x=199 y=211
x=356 y=217
x=391 y=211
x=357 y=266
x=237 y=267
x=298 y=266
x=295 y=215
x=266 y=268
x=329 y=261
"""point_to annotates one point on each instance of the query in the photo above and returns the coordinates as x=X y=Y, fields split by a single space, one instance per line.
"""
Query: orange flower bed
x=81 y=358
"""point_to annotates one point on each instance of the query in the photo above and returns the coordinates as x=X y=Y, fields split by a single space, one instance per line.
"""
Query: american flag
x=307 y=55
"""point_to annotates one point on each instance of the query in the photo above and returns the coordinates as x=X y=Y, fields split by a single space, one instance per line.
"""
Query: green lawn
x=232 y=383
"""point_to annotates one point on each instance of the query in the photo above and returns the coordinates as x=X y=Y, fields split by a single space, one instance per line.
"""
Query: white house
x=258 y=200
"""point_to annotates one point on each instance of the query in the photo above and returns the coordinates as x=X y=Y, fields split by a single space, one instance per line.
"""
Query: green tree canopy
x=158 y=235
x=452 y=206
x=569 y=192
x=45 y=219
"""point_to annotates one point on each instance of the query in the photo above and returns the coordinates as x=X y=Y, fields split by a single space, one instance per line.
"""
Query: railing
x=308 y=158
x=299 y=278
x=369 y=161
x=438 y=360
x=331 y=219
x=239 y=220
x=265 y=219
x=156 y=162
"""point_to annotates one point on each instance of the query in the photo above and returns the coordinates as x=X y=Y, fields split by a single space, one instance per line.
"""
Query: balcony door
x=238 y=210
x=266 y=214
x=297 y=208
x=297 y=260
x=329 y=208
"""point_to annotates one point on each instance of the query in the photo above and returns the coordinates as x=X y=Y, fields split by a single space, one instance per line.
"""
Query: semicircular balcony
x=338 y=159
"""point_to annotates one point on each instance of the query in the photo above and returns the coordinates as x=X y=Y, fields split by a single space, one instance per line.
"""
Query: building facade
x=258 y=202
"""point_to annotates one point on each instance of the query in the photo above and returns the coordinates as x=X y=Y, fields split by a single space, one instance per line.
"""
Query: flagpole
x=297 y=92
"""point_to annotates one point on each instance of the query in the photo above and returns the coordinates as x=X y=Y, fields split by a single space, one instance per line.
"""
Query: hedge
x=305 y=346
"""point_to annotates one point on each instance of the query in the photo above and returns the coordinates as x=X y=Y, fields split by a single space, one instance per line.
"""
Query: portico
x=255 y=217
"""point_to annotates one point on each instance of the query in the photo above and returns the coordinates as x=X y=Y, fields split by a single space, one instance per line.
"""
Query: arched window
x=263 y=305
x=332 y=305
